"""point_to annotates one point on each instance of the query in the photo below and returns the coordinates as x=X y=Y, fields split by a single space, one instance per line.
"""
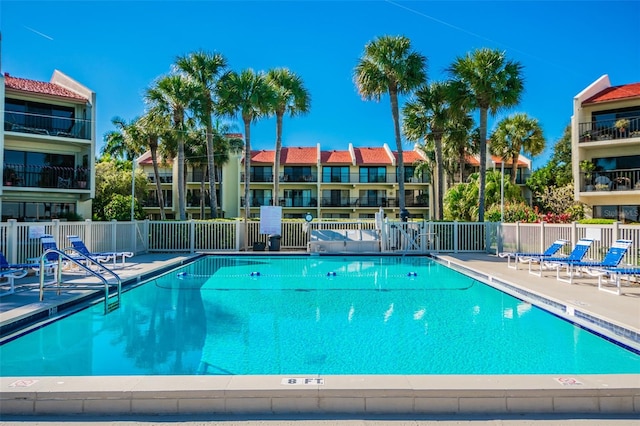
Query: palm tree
x=205 y=69
x=152 y=127
x=486 y=80
x=249 y=95
x=174 y=95
x=516 y=133
x=124 y=142
x=427 y=116
x=291 y=97
x=388 y=65
x=460 y=142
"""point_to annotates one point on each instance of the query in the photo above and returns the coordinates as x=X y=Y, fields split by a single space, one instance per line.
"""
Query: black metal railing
x=164 y=178
x=37 y=124
x=603 y=130
x=46 y=176
x=610 y=180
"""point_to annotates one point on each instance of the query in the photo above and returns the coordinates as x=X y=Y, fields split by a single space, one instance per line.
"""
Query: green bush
x=513 y=212
x=597 y=221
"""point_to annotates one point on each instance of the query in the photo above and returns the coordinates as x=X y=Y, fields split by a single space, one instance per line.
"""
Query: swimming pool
x=313 y=315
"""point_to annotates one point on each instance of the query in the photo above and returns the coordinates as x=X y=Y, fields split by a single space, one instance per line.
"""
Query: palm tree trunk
x=213 y=196
x=439 y=171
x=514 y=170
x=393 y=95
x=462 y=164
x=276 y=163
x=483 y=162
x=156 y=172
x=202 y=191
x=247 y=179
x=182 y=213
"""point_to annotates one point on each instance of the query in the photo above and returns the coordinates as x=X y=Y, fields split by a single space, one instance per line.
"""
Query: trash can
x=259 y=246
x=274 y=242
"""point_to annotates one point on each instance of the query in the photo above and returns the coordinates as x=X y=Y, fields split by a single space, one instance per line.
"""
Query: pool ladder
x=83 y=262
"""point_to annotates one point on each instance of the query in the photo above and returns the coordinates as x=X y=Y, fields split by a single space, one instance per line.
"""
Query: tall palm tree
x=516 y=133
x=174 y=95
x=427 y=116
x=206 y=69
x=489 y=82
x=388 y=65
x=249 y=95
x=292 y=98
x=153 y=126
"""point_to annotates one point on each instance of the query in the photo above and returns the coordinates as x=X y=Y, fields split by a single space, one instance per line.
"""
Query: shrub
x=513 y=212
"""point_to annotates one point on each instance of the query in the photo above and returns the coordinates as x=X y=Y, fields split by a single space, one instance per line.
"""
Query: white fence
x=19 y=241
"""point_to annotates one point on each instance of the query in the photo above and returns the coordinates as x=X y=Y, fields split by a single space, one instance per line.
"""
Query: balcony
x=18 y=175
x=610 y=180
x=35 y=124
x=604 y=130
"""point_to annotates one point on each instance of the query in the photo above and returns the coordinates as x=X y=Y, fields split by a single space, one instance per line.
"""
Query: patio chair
x=524 y=257
x=614 y=276
x=611 y=260
x=79 y=245
x=576 y=255
x=32 y=264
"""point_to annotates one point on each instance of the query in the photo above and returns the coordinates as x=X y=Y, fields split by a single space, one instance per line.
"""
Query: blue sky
x=118 y=48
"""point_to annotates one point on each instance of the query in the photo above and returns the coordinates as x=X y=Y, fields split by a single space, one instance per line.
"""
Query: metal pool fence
x=19 y=241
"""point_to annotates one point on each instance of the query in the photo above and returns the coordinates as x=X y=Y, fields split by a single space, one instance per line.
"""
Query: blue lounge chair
x=611 y=260
x=80 y=246
x=614 y=275
x=576 y=255
x=525 y=257
x=13 y=271
x=11 y=275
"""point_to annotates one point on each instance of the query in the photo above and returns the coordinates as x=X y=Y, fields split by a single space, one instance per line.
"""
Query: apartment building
x=48 y=142
x=349 y=184
x=606 y=149
x=523 y=171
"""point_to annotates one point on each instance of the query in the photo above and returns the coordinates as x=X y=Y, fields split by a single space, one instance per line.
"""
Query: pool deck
x=613 y=316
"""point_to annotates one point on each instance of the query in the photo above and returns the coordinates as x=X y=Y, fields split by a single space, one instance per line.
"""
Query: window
x=261 y=174
x=373 y=198
x=36 y=117
x=335 y=174
x=373 y=174
x=626 y=214
x=261 y=197
x=297 y=174
x=335 y=198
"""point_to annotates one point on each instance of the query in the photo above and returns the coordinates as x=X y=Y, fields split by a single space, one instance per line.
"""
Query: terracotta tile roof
x=335 y=157
x=625 y=91
x=145 y=160
x=299 y=155
x=409 y=157
x=263 y=156
x=40 y=87
x=371 y=156
x=475 y=161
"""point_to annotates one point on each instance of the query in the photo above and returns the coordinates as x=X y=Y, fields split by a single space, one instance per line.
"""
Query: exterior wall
x=586 y=146
x=33 y=192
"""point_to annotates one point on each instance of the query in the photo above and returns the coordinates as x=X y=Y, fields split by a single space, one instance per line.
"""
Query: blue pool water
x=313 y=315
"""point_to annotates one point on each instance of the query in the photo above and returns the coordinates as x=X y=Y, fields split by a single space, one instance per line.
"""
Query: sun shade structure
x=526 y=257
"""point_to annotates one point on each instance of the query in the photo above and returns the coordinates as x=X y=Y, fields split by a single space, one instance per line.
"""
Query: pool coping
x=313 y=394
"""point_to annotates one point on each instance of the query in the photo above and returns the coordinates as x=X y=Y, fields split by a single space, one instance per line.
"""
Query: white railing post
x=518 y=237
x=12 y=241
x=114 y=234
x=455 y=236
x=55 y=230
x=574 y=232
x=88 y=235
x=192 y=235
x=499 y=238
x=239 y=234
x=542 y=246
x=616 y=232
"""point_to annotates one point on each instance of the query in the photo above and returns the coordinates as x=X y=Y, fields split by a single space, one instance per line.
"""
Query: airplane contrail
x=38 y=32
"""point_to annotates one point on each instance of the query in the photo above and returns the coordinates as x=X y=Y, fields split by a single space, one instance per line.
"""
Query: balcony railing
x=603 y=130
x=164 y=178
x=22 y=122
x=610 y=180
x=46 y=176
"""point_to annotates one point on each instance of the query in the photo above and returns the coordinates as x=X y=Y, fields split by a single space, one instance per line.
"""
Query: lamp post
x=133 y=188
x=502 y=190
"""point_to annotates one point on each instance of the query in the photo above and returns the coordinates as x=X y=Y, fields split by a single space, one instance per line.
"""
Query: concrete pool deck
x=582 y=302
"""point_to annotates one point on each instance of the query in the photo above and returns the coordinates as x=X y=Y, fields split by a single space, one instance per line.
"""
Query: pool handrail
x=81 y=261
